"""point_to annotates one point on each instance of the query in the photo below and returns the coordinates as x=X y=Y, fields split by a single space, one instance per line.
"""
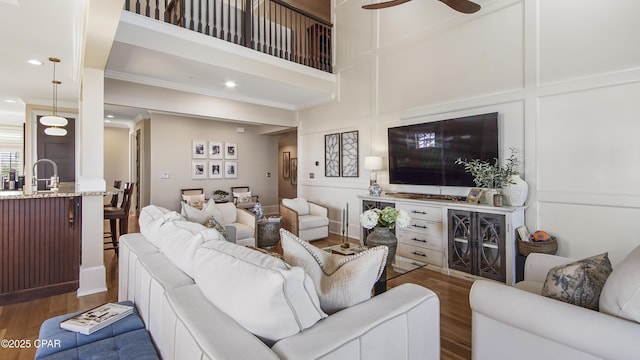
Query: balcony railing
x=269 y=26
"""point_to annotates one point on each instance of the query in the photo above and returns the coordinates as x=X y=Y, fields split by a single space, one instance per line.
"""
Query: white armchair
x=518 y=323
x=305 y=219
x=241 y=225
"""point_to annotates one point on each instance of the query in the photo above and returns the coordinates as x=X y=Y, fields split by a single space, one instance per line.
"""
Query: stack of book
x=97 y=318
x=274 y=219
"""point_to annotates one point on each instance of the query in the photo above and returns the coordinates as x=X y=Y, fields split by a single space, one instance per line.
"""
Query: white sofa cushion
x=201 y=216
x=180 y=239
x=300 y=205
x=150 y=213
x=262 y=293
x=621 y=293
x=312 y=221
x=151 y=229
x=341 y=281
x=229 y=213
x=243 y=231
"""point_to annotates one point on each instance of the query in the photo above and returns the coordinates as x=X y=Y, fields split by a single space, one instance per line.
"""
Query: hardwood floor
x=22 y=321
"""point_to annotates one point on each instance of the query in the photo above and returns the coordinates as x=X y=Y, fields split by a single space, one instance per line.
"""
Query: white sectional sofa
x=518 y=323
x=172 y=277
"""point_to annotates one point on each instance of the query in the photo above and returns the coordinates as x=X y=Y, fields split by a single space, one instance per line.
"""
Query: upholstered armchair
x=240 y=224
x=519 y=323
x=307 y=220
x=242 y=197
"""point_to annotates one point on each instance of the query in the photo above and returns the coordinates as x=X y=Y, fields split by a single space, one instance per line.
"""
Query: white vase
x=516 y=191
x=487 y=196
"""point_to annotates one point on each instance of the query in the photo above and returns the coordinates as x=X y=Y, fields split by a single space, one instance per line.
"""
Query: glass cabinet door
x=460 y=241
x=491 y=252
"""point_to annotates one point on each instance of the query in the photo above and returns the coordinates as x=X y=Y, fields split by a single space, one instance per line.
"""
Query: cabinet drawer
x=422 y=212
x=427 y=241
x=425 y=227
x=421 y=254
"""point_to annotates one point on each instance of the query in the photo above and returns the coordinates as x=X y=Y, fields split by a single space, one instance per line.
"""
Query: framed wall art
x=231 y=169
x=198 y=149
x=294 y=171
x=215 y=150
x=286 y=169
x=215 y=169
x=230 y=151
x=198 y=169
x=349 y=153
x=332 y=155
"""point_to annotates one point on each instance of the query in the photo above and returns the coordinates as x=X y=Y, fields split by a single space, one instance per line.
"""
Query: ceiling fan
x=463 y=6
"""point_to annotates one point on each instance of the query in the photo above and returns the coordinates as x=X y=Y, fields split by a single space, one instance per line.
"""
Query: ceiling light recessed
x=34 y=62
x=10 y=101
x=230 y=84
x=110 y=116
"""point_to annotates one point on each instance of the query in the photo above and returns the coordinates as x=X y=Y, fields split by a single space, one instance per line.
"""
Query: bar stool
x=121 y=214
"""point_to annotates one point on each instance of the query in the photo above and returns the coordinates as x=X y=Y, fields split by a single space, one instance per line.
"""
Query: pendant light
x=54 y=121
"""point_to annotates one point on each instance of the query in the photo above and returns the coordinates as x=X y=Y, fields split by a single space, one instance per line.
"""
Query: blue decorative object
x=257 y=210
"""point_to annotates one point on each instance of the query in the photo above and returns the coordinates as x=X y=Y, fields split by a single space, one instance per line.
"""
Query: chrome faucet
x=52 y=183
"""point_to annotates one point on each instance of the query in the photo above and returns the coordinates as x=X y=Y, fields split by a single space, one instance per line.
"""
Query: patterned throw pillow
x=196 y=201
x=580 y=282
x=212 y=223
x=341 y=281
x=243 y=196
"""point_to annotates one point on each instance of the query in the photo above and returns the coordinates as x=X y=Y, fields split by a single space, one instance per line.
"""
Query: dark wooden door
x=60 y=149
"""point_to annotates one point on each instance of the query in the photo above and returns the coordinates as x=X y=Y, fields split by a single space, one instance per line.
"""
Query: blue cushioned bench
x=125 y=339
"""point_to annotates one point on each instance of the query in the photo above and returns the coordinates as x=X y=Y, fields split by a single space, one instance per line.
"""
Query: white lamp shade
x=373 y=163
x=53 y=120
x=55 y=131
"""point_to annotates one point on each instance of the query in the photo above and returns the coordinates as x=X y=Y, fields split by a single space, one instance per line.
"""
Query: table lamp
x=373 y=163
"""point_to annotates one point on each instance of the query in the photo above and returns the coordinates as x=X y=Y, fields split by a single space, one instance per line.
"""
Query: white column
x=90 y=158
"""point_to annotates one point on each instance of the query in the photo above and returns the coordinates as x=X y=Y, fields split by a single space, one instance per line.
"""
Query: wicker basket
x=544 y=247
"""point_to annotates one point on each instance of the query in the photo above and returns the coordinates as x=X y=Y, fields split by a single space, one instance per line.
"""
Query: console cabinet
x=467 y=240
x=477 y=243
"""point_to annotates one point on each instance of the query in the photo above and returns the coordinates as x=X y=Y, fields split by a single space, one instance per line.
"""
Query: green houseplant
x=220 y=194
x=492 y=175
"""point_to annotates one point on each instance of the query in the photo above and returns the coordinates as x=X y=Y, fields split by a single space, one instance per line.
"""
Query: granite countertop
x=65 y=190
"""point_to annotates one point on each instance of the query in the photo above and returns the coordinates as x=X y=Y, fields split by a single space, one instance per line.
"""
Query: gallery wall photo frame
x=332 y=155
x=294 y=171
x=199 y=149
x=198 y=169
x=230 y=169
x=230 y=151
x=215 y=150
x=286 y=166
x=215 y=169
x=349 y=154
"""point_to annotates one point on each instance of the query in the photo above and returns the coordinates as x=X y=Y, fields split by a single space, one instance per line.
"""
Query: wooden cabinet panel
x=40 y=247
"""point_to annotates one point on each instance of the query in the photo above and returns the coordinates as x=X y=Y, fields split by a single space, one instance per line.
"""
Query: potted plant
x=491 y=176
x=382 y=221
x=220 y=195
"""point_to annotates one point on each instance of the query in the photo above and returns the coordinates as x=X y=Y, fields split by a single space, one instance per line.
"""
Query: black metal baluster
x=207 y=28
x=280 y=43
x=147 y=9
x=157 y=12
x=199 y=16
x=137 y=6
x=215 y=20
x=235 y=20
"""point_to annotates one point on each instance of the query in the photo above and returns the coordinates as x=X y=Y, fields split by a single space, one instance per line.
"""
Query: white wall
x=564 y=76
x=116 y=156
x=171 y=140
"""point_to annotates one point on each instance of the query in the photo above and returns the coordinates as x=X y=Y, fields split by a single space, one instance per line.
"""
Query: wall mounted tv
x=425 y=154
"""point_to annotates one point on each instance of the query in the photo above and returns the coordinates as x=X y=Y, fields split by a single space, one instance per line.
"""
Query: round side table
x=268 y=233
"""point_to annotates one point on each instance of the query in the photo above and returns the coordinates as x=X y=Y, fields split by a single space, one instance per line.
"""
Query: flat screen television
x=425 y=154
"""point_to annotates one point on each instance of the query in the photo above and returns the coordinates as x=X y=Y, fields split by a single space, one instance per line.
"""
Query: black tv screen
x=425 y=154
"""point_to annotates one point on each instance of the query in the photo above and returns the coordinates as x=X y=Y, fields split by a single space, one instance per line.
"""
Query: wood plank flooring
x=22 y=321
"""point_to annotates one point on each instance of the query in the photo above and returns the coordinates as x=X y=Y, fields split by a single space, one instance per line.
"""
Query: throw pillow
x=197 y=201
x=341 y=281
x=621 y=293
x=580 y=282
x=201 y=216
x=179 y=241
x=243 y=196
x=263 y=294
x=212 y=223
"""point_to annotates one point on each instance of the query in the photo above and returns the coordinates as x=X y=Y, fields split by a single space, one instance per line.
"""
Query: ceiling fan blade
x=463 y=6
x=384 y=4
